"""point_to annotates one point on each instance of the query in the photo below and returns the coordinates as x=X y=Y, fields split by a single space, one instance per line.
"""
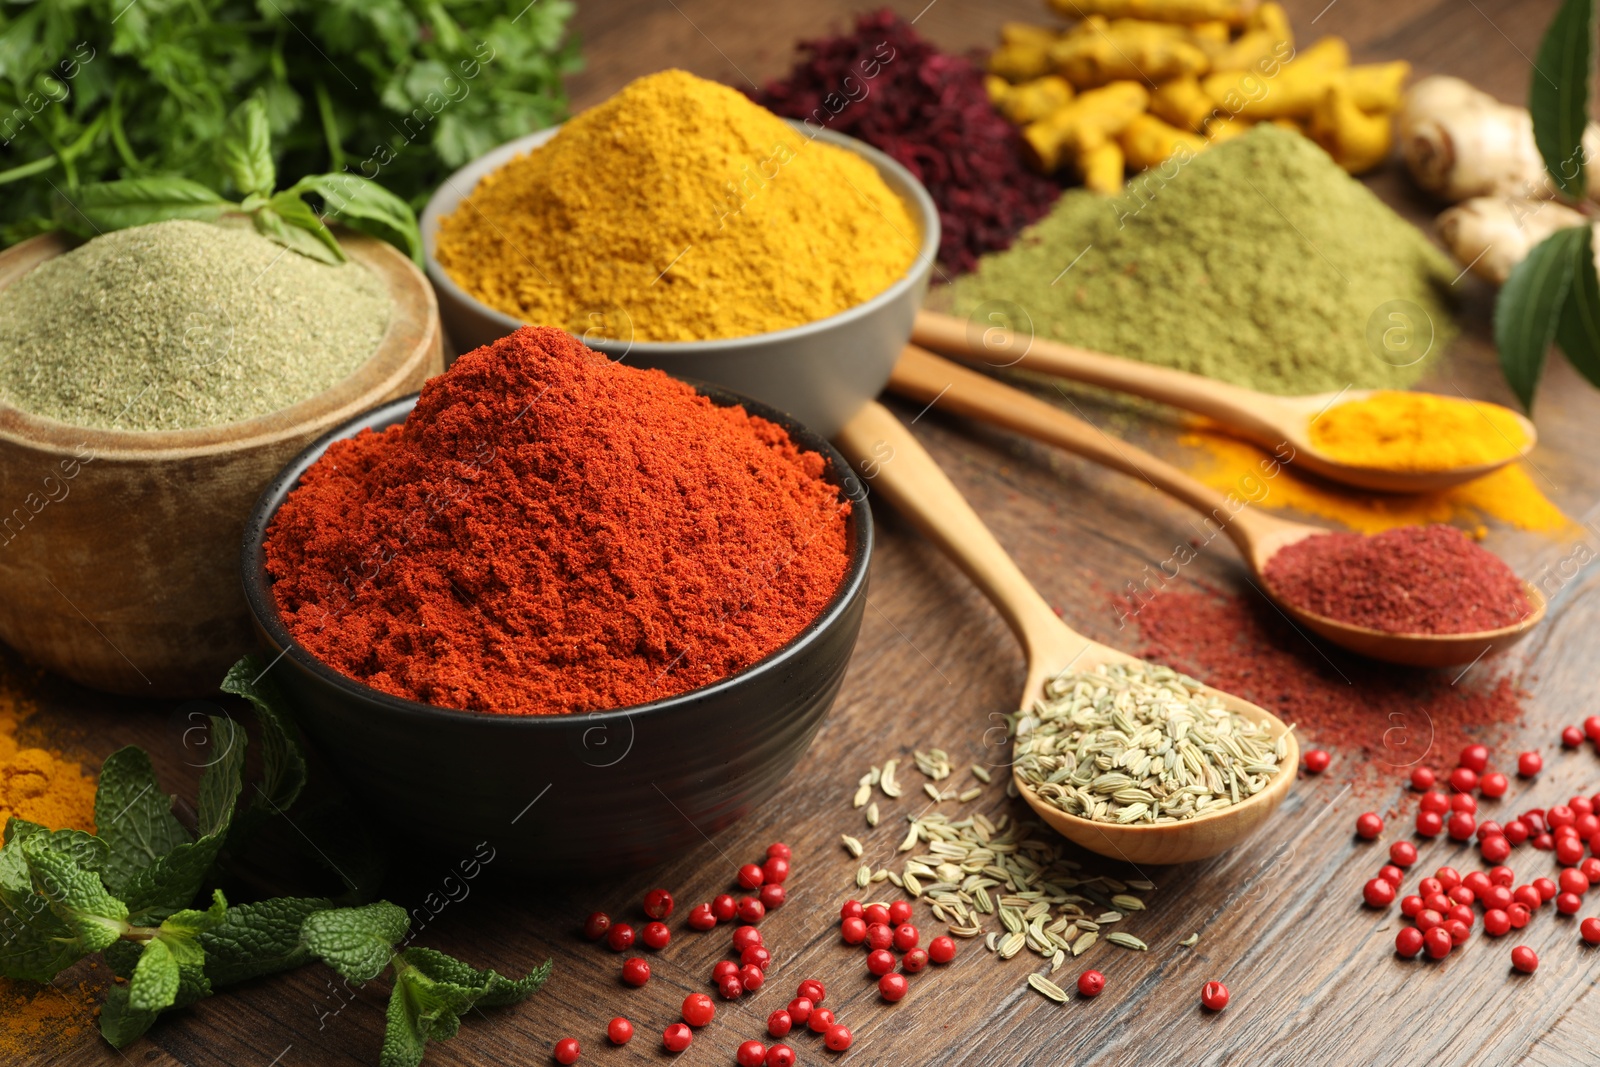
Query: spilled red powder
x=1412 y=579
x=1390 y=717
x=552 y=532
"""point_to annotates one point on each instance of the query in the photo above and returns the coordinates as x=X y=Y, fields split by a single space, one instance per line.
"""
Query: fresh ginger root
x=1090 y=119
x=1031 y=101
x=1101 y=167
x=1492 y=234
x=1148 y=142
x=1233 y=12
x=1126 y=50
x=1459 y=142
x=1356 y=140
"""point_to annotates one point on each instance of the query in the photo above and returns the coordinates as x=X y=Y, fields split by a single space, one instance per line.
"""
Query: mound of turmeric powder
x=678 y=210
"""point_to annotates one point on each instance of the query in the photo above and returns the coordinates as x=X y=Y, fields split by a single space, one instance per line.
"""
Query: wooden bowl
x=119 y=551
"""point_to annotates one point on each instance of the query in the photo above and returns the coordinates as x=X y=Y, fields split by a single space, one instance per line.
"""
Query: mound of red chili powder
x=1412 y=579
x=552 y=532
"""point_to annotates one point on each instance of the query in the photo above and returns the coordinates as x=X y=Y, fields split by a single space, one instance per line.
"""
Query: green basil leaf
x=102 y=206
x=1558 y=96
x=154 y=985
x=366 y=206
x=1578 y=332
x=291 y=223
x=356 y=942
x=245 y=150
x=133 y=816
x=1528 y=308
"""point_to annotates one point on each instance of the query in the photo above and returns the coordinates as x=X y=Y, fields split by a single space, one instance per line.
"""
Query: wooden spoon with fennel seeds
x=907 y=477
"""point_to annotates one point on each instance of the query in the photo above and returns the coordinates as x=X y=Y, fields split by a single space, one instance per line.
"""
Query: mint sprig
x=129 y=893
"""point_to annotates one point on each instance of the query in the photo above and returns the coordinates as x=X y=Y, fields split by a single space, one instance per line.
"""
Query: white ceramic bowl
x=821 y=372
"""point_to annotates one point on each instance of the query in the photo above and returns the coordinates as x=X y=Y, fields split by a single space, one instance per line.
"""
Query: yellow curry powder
x=678 y=210
x=42 y=787
x=1508 y=495
x=1417 y=432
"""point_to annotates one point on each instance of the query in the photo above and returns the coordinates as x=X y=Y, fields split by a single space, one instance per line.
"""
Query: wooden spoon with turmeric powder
x=1258 y=535
x=894 y=464
x=1391 y=442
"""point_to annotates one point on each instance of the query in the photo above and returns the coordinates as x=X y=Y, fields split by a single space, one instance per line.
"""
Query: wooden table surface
x=1313 y=976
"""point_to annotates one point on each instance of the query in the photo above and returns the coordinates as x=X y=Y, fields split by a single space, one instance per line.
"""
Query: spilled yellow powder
x=1509 y=495
x=40 y=786
x=1405 y=431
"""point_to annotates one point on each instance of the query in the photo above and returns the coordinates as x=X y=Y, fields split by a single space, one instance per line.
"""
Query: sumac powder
x=884 y=84
x=1379 y=716
x=551 y=532
x=1412 y=579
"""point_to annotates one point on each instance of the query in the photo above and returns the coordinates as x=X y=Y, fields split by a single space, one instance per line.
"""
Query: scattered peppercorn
x=751 y=1054
x=1571 y=737
x=566 y=1050
x=596 y=925
x=635 y=971
x=1524 y=960
x=838 y=1038
x=780 y=1056
x=1091 y=983
x=698 y=1009
x=1369 y=825
x=1529 y=764
x=1317 y=760
x=677 y=1037
x=1214 y=995
x=619 y=1030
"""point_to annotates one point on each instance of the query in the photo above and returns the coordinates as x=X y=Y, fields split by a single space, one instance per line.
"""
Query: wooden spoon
x=1280 y=424
x=923 y=376
x=896 y=465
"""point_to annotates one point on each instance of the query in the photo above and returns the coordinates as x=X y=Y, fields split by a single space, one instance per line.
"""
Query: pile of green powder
x=1258 y=262
x=183 y=324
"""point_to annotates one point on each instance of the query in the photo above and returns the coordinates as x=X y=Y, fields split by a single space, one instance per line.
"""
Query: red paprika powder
x=1412 y=579
x=551 y=532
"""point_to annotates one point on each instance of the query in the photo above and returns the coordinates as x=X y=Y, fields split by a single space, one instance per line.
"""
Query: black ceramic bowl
x=581 y=793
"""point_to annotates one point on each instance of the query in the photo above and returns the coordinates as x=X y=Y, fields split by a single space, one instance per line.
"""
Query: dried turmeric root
x=1356 y=140
x=1232 y=12
x=1090 y=119
x=1148 y=142
x=1126 y=50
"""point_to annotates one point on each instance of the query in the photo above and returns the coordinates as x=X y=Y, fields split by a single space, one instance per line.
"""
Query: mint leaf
x=182 y=929
x=366 y=206
x=403 y=1043
x=431 y=993
x=283 y=762
x=245 y=151
x=1559 y=94
x=154 y=984
x=133 y=816
x=36 y=945
x=223 y=779
x=171 y=881
x=493 y=990
x=74 y=893
x=117 y=205
x=86 y=850
x=120 y=1023
x=1578 y=332
x=356 y=942
x=257 y=939
x=1528 y=308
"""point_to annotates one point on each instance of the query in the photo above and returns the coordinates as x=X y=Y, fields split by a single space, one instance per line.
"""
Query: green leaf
x=403 y=1043
x=120 y=1023
x=493 y=990
x=1559 y=94
x=366 y=206
x=356 y=942
x=289 y=220
x=74 y=892
x=1578 y=332
x=283 y=762
x=133 y=816
x=182 y=929
x=171 y=882
x=1528 y=308
x=97 y=208
x=245 y=151
x=84 y=849
x=257 y=939
x=154 y=984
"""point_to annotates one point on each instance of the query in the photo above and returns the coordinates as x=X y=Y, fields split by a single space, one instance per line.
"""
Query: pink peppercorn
x=1091 y=983
x=1496 y=923
x=1524 y=960
x=1516 y=831
x=1427 y=919
x=1571 y=737
x=1378 y=893
x=1528 y=897
x=1494 y=784
x=1403 y=853
x=914 y=961
x=1317 y=761
x=1496 y=896
x=876 y=913
x=775 y=871
x=800 y=1010
x=1391 y=874
x=880 y=961
x=753 y=977
x=906 y=935
x=1461 y=826
x=1408 y=942
x=1529 y=764
x=1502 y=876
x=852 y=910
x=751 y=910
x=1422 y=779
x=941 y=949
x=701 y=917
x=853 y=930
x=879 y=936
x=1448 y=877
x=1464 y=802
x=1435 y=801
x=677 y=1037
x=1589 y=930
x=1547 y=889
x=780 y=1056
x=1464 y=779
x=724 y=907
x=899 y=913
x=1474 y=758
x=744 y=937
x=838 y=1038
x=1410 y=906
x=1429 y=823
x=1494 y=849
x=1519 y=915
x=779 y=851
x=1568 y=903
x=1368 y=825
x=821 y=1020
x=772 y=896
x=751 y=1054
x=779 y=1023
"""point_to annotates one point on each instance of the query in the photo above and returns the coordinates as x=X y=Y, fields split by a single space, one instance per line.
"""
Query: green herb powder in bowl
x=182 y=324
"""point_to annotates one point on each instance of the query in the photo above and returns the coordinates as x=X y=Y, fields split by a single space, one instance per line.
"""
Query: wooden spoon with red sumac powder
x=1258 y=535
